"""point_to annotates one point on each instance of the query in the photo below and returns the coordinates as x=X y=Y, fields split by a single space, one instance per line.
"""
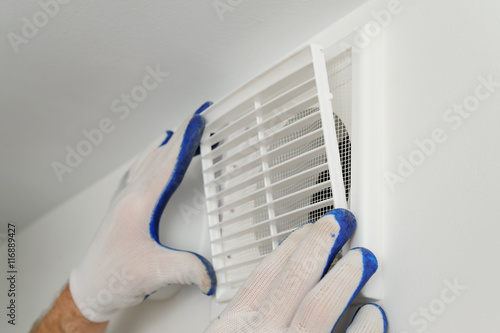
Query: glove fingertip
x=347 y=225
x=211 y=275
x=370 y=262
x=167 y=138
x=370 y=316
x=346 y=220
x=185 y=268
x=202 y=108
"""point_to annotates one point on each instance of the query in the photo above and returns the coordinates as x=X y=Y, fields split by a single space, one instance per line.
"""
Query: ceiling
x=74 y=71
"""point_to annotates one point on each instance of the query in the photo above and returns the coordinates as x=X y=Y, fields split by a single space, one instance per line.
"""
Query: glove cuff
x=93 y=306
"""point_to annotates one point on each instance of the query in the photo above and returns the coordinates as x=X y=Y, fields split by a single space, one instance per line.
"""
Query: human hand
x=126 y=261
x=294 y=289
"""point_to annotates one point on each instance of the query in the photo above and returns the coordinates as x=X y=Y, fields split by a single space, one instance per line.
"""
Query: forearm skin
x=64 y=317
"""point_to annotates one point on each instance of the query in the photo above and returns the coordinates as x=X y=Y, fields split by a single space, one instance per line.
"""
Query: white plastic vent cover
x=276 y=154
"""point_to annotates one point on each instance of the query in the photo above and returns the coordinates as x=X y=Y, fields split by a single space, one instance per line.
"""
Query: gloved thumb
x=370 y=318
x=184 y=267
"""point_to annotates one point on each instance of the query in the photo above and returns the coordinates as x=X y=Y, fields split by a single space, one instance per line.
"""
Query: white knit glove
x=293 y=290
x=126 y=261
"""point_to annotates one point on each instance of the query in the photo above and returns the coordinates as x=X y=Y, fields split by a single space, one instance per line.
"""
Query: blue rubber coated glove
x=295 y=289
x=126 y=261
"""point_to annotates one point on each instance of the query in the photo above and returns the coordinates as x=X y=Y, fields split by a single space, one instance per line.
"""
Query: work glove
x=126 y=261
x=294 y=289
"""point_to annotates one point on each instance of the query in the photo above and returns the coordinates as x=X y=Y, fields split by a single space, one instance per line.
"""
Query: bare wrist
x=64 y=317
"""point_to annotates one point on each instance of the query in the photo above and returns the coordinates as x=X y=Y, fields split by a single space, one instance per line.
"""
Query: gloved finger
x=167 y=138
x=169 y=167
x=306 y=266
x=256 y=288
x=199 y=111
x=324 y=304
x=153 y=146
x=370 y=318
x=202 y=108
x=160 y=141
x=183 y=267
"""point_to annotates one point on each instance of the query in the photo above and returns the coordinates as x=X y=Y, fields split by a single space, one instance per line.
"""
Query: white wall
x=440 y=223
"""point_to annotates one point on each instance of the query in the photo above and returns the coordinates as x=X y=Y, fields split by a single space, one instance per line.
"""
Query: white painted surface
x=440 y=224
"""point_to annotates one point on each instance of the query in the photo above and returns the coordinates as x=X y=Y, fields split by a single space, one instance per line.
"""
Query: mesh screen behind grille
x=269 y=172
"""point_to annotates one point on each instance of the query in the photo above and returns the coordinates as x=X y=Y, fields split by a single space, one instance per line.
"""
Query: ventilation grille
x=266 y=166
